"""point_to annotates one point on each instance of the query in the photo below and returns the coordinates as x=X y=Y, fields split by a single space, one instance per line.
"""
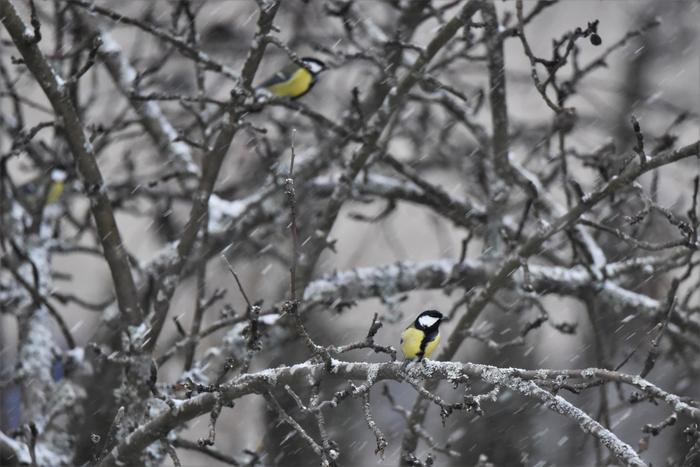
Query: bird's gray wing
x=281 y=76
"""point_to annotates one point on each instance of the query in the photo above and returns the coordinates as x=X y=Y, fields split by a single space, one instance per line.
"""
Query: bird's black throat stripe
x=427 y=339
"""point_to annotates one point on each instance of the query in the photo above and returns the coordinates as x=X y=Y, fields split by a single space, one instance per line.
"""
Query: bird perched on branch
x=420 y=339
x=293 y=80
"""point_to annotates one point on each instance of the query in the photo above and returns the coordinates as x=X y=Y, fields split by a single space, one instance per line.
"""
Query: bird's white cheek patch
x=427 y=321
x=58 y=175
x=314 y=67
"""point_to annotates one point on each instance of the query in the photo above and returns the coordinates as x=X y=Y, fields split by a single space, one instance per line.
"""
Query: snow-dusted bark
x=523 y=382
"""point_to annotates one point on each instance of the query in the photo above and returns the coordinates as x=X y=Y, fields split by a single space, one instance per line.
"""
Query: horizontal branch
x=523 y=382
x=407 y=276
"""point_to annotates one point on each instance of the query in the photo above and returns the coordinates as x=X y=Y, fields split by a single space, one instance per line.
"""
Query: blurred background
x=654 y=76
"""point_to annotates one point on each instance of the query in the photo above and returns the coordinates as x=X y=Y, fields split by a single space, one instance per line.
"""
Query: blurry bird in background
x=293 y=80
x=42 y=191
x=57 y=186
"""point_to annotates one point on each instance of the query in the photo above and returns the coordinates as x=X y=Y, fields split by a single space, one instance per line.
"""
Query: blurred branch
x=152 y=118
x=183 y=47
x=81 y=149
x=210 y=171
x=376 y=125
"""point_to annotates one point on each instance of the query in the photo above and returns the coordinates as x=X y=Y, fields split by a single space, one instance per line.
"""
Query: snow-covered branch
x=522 y=382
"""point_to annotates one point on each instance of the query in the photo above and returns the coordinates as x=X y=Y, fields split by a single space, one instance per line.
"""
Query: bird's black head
x=428 y=320
x=314 y=65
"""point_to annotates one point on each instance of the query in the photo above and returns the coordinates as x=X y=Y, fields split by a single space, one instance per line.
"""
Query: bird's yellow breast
x=296 y=86
x=55 y=192
x=411 y=339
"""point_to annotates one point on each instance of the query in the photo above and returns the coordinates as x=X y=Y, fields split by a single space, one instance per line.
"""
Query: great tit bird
x=420 y=339
x=58 y=184
x=36 y=195
x=43 y=190
x=293 y=81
